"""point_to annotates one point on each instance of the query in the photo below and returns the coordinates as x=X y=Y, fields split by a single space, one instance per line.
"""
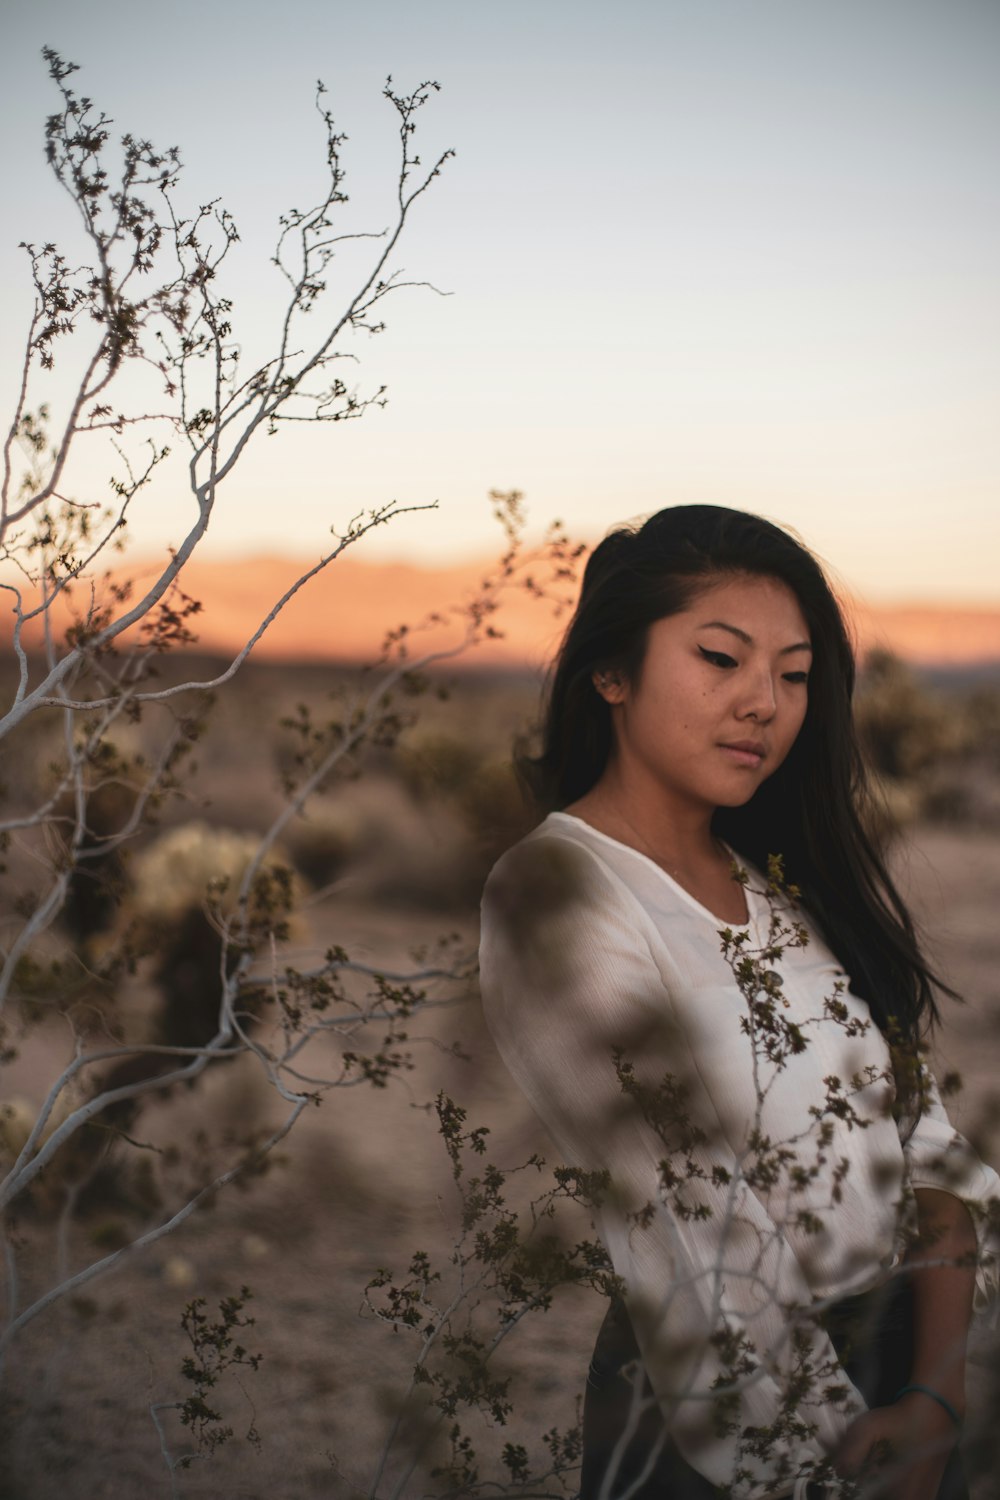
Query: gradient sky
x=736 y=251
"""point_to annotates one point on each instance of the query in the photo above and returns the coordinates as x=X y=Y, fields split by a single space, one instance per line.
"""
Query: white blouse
x=588 y=946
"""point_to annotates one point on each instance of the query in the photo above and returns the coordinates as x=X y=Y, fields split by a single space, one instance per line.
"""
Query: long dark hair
x=813 y=810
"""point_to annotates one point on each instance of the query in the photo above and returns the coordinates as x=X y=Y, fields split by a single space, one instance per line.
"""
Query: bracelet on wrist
x=942 y=1401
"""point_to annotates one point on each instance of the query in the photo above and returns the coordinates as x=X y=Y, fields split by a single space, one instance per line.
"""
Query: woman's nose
x=759 y=702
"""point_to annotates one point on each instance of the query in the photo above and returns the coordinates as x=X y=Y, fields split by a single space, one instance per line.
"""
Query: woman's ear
x=610 y=686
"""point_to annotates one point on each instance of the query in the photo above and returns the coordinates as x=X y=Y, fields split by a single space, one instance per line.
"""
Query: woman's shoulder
x=553 y=862
x=553 y=896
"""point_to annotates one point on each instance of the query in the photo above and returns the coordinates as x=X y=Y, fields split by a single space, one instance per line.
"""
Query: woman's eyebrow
x=748 y=639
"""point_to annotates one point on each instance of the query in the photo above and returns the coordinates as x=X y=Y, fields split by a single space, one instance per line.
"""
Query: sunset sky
x=736 y=251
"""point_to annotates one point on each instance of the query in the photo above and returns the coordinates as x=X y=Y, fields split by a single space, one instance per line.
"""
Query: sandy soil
x=365 y=1182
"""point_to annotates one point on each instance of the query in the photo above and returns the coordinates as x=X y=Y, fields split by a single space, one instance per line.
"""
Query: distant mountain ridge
x=345 y=612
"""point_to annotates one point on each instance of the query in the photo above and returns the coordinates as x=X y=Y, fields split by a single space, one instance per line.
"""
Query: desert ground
x=364 y=1181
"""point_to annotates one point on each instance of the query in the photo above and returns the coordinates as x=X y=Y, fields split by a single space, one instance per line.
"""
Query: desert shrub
x=438 y=765
x=321 y=848
x=496 y=812
x=905 y=727
x=925 y=747
x=982 y=724
x=480 y=792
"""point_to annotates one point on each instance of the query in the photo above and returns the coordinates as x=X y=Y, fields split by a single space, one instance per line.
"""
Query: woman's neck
x=677 y=837
x=685 y=848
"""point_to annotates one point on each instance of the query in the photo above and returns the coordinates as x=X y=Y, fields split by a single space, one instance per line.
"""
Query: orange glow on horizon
x=345 y=612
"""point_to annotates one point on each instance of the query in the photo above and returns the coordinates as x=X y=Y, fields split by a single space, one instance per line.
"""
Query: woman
x=777 y=1328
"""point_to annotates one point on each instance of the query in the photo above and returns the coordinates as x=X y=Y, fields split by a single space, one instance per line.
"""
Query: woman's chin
x=737 y=796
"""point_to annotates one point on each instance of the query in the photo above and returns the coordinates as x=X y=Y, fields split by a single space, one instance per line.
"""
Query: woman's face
x=720 y=698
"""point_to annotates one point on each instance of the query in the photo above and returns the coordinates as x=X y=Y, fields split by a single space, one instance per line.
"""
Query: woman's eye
x=717 y=658
x=796 y=676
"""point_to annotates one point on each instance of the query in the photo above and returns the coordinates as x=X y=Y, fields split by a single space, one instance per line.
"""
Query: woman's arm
x=917 y=1428
x=940 y=1161
x=943 y=1294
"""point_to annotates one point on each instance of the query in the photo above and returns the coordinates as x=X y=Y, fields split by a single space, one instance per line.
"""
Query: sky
x=741 y=252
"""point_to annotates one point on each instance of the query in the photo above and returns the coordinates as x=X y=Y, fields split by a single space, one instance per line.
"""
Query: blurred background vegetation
x=420 y=822
x=933 y=742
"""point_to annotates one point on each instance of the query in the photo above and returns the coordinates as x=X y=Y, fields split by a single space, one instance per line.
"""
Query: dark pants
x=873 y=1337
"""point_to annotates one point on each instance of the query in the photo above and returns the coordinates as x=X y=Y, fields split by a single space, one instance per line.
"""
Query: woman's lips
x=745 y=752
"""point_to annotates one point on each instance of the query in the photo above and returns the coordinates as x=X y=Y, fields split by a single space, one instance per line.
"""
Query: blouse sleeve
x=712 y=1286
x=937 y=1156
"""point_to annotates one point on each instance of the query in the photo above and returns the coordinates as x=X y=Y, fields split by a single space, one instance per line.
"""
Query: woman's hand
x=910 y=1440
